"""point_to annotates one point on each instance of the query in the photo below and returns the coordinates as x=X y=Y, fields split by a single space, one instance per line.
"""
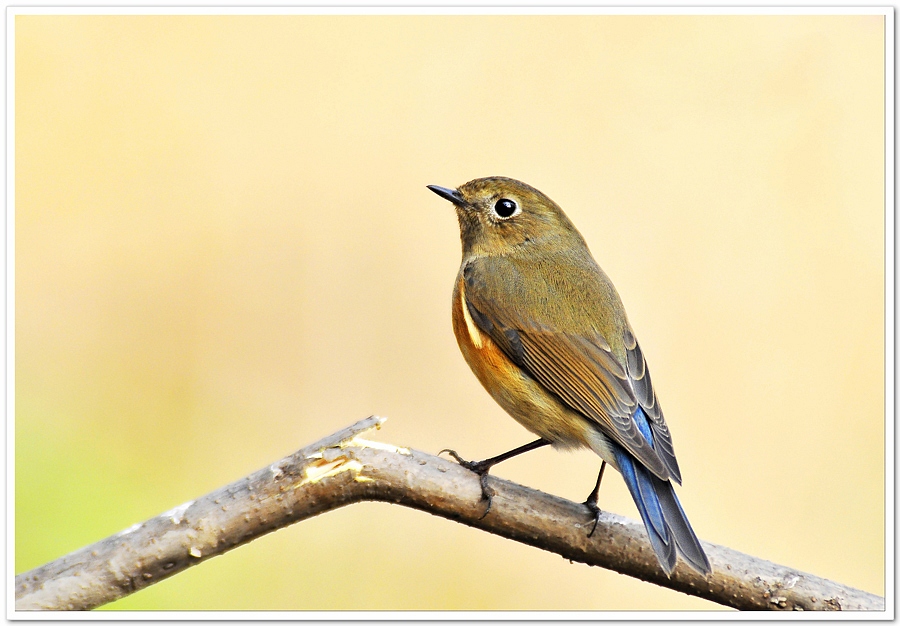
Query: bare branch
x=343 y=468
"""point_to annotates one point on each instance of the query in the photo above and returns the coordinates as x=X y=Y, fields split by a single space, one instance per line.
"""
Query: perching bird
x=544 y=330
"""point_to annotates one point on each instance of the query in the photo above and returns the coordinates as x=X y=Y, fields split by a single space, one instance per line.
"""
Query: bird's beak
x=448 y=194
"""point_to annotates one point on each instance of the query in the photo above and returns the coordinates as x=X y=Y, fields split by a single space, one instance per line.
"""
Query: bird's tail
x=665 y=521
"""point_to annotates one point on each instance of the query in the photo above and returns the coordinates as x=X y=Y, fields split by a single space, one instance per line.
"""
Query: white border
x=574 y=9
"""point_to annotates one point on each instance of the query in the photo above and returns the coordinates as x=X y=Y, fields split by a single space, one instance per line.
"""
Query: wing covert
x=582 y=370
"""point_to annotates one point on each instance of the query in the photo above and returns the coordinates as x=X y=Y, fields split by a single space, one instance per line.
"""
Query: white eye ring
x=504 y=208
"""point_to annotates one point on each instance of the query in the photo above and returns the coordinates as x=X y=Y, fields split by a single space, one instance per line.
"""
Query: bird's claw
x=486 y=494
x=595 y=512
x=481 y=469
x=456 y=457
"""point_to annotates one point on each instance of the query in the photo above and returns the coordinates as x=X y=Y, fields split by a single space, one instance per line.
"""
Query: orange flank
x=492 y=367
x=521 y=396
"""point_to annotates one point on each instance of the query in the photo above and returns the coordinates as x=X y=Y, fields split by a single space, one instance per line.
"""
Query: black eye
x=505 y=207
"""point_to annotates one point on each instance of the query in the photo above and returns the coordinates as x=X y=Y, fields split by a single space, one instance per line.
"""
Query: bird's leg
x=483 y=467
x=593 y=501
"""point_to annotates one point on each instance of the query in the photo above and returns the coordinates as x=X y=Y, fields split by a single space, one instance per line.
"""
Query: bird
x=544 y=330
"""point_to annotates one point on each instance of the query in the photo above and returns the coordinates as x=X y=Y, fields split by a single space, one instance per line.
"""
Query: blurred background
x=225 y=250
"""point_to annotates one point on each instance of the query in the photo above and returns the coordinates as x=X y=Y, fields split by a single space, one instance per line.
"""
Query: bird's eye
x=506 y=207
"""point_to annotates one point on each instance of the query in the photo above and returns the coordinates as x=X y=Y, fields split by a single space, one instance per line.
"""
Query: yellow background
x=225 y=250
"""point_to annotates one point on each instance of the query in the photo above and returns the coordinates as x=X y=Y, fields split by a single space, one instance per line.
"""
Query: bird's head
x=499 y=215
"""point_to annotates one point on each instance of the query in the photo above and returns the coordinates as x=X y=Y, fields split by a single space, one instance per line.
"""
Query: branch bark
x=343 y=468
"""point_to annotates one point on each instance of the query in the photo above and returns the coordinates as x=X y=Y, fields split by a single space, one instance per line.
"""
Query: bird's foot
x=593 y=501
x=481 y=468
x=595 y=512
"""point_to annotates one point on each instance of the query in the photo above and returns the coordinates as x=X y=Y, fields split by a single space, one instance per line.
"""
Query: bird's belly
x=519 y=394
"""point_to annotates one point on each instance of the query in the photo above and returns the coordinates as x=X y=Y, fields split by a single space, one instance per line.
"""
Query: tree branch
x=342 y=468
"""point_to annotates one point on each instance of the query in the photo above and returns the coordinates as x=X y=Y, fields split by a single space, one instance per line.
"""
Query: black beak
x=448 y=194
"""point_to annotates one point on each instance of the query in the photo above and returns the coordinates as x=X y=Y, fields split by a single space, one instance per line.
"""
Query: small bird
x=545 y=332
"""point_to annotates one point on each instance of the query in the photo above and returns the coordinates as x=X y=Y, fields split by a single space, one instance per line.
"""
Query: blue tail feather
x=665 y=521
x=642 y=491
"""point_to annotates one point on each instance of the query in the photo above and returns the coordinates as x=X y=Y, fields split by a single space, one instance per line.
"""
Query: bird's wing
x=639 y=375
x=578 y=367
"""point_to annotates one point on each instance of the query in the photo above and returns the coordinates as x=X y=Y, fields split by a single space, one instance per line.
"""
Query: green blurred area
x=225 y=250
